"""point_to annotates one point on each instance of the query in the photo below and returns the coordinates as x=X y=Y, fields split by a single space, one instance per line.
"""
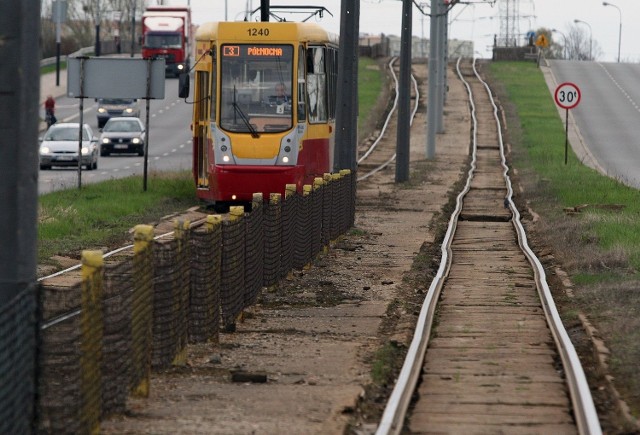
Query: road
x=169 y=141
x=608 y=116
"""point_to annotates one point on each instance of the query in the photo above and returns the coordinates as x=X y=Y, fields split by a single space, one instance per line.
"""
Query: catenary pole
x=19 y=122
x=432 y=99
x=347 y=106
x=404 y=96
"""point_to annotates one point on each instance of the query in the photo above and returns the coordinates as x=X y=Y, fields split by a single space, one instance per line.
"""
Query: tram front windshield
x=256 y=83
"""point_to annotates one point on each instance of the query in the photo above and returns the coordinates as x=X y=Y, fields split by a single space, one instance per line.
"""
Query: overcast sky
x=477 y=22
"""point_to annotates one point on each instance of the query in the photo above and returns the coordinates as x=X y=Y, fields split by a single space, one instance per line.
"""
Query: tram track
x=499 y=359
x=369 y=163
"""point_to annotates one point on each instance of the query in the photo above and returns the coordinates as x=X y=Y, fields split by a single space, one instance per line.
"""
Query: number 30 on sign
x=567 y=95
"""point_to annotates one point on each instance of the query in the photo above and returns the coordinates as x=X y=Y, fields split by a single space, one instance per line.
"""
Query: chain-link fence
x=103 y=328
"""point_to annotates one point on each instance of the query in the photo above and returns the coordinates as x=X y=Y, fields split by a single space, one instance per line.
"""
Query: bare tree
x=580 y=46
x=115 y=18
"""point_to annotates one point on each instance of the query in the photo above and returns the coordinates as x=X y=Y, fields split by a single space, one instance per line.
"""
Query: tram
x=264 y=108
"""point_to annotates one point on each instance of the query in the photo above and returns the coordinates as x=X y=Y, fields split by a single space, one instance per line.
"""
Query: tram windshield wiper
x=243 y=116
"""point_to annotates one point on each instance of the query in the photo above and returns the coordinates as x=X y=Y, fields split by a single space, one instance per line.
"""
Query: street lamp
x=564 y=38
x=590 y=36
x=620 y=29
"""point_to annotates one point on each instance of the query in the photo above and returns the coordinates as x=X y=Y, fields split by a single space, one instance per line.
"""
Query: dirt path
x=313 y=338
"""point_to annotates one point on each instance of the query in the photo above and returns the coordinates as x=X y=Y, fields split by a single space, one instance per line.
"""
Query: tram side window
x=317 y=84
x=302 y=106
x=332 y=82
x=212 y=94
x=202 y=92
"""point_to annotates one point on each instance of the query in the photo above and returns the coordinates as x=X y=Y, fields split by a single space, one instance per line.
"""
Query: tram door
x=201 y=129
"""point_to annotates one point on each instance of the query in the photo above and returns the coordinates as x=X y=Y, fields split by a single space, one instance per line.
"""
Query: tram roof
x=278 y=31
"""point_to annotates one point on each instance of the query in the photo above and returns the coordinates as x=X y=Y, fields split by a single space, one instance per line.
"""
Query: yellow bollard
x=92 y=329
x=289 y=190
x=212 y=221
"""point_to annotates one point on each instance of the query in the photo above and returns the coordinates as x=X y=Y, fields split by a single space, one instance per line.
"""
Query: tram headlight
x=225 y=159
x=285 y=159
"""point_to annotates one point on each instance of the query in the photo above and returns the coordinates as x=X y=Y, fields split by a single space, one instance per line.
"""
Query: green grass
x=51 y=68
x=543 y=138
x=100 y=215
x=370 y=80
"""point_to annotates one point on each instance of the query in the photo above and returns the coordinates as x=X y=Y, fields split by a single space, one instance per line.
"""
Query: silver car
x=59 y=146
x=112 y=107
x=122 y=135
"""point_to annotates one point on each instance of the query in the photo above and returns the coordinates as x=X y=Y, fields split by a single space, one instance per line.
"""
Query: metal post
x=441 y=66
x=20 y=90
x=432 y=81
x=403 y=144
x=264 y=10
x=82 y=59
x=347 y=106
x=133 y=28
x=98 y=18
x=58 y=15
x=146 y=127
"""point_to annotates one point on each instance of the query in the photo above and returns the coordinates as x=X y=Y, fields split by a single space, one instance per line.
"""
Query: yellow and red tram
x=264 y=108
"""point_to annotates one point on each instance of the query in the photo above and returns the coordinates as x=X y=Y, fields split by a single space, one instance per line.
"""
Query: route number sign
x=567 y=95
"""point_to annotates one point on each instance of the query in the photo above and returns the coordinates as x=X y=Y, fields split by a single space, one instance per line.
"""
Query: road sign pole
x=567 y=96
x=566 y=135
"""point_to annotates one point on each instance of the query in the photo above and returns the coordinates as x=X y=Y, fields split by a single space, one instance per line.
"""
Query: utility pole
x=432 y=97
x=347 y=107
x=98 y=18
x=20 y=90
x=403 y=143
x=264 y=10
x=133 y=28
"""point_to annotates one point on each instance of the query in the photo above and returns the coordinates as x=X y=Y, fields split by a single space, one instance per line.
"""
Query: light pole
x=564 y=38
x=590 y=36
x=620 y=28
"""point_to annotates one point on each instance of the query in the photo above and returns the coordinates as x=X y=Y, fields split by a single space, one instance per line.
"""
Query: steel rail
x=384 y=128
x=583 y=407
x=399 y=401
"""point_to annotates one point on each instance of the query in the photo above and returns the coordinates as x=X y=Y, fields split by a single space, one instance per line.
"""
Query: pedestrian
x=49 y=111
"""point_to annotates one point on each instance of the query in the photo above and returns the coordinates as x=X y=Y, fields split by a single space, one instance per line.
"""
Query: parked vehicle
x=59 y=146
x=111 y=107
x=166 y=32
x=122 y=135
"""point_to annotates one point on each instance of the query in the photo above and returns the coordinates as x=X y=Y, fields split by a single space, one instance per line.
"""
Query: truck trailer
x=166 y=33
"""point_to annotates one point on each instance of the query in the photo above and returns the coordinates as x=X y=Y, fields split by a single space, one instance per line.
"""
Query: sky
x=477 y=21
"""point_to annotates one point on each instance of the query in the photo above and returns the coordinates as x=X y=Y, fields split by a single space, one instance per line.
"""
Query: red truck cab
x=166 y=33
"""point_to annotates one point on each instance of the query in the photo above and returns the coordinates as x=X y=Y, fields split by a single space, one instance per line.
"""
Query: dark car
x=113 y=107
x=59 y=146
x=122 y=135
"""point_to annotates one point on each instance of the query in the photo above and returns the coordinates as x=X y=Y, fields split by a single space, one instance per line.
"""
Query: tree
x=79 y=29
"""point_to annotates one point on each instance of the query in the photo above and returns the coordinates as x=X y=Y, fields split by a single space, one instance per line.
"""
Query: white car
x=59 y=146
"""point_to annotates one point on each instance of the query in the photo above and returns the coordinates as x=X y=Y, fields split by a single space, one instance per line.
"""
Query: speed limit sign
x=567 y=95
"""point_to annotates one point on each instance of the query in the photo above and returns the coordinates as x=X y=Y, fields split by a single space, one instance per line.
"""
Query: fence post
x=181 y=299
x=92 y=327
x=142 y=310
